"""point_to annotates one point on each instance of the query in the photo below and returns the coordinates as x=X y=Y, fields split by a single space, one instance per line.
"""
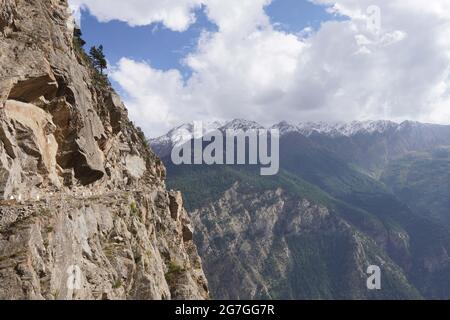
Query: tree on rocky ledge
x=98 y=58
x=77 y=38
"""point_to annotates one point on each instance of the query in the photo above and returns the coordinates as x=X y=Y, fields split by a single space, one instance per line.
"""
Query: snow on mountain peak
x=240 y=124
x=185 y=131
x=346 y=129
x=182 y=133
x=284 y=127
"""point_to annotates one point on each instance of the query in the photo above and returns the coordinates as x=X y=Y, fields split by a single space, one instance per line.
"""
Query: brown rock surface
x=84 y=198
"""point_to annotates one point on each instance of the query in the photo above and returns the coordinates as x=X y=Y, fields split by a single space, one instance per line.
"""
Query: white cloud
x=152 y=94
x=343 y=71
x=244 y=67
x=238 y=16
x=176 y=15
x=402 y=67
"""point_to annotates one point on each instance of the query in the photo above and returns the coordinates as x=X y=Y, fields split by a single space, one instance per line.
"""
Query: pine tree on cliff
x=77 y=37
x=98 y=58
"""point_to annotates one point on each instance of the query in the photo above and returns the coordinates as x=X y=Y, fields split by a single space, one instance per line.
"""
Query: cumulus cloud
x=399 y=72
x=152 y=96
x=353 y=69
x=176 y=15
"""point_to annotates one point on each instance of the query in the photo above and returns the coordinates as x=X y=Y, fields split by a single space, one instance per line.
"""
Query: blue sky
x=296 y=15
x=156 y=44
x=165 y=49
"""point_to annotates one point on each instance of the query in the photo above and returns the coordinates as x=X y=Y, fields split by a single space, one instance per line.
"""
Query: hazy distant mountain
x=369 y=144
x=347 y=196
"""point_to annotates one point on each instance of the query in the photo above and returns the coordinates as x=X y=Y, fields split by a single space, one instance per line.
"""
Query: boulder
x=31 y=89
x=175 y=205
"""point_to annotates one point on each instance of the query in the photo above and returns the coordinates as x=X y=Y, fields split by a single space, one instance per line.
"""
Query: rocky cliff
x=272 y=245
x=85 y=213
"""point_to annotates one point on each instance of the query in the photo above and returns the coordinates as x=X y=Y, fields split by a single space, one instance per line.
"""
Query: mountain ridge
x=333 y=129
x=375 y=181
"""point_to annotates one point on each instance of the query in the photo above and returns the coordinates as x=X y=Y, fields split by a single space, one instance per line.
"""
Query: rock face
x=272 y=245
x=85 y=212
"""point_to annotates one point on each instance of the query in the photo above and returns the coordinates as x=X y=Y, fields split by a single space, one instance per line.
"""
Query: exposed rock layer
x=84 y=198
x=274 y=245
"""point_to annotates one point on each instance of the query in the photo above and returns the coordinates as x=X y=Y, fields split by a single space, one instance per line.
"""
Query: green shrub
x=134 y=208
x=117 y=284
x=173 y=272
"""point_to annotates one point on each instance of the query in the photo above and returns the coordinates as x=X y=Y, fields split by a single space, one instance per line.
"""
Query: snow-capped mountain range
x=336 y=129
x=179 y=133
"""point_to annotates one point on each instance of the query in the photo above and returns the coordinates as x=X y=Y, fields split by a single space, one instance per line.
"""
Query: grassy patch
x=117 y=284
x=173 y=272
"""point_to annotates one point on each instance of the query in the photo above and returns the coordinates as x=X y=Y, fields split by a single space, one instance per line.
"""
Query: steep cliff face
x=85 y=211
x=272 y=244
